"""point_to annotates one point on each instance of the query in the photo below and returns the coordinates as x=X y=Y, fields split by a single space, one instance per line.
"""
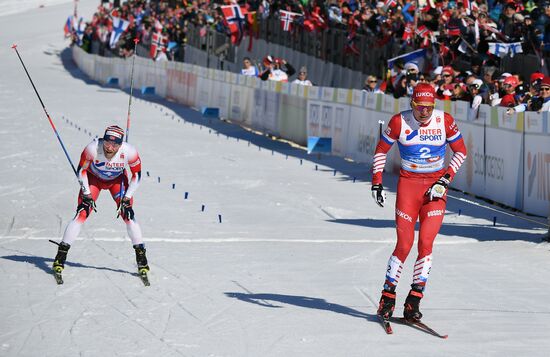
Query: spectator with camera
x=276 y=69
x=407 y=81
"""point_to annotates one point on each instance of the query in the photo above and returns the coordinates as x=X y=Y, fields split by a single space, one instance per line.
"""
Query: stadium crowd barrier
x=508 y=155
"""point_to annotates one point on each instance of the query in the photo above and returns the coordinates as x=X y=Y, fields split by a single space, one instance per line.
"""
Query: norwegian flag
x=235 y=21
x=158 y=44
x=425 y=34
x=287 y=19
x=408 y=32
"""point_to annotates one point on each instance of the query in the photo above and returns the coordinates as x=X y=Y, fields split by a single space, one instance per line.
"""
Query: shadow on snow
x=301 y=301
x=45 y=264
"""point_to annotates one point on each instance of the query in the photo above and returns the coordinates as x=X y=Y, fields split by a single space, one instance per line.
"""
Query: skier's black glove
x=439 y=188
x=125 y=209
x=379 y=194
x=87 y=204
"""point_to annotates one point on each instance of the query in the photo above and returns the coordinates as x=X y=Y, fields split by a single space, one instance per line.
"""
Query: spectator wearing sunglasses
x=446 y=85
x=371 y=85
x=302 y=78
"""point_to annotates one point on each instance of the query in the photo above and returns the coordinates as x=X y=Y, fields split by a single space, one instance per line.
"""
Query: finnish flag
x=119 y=26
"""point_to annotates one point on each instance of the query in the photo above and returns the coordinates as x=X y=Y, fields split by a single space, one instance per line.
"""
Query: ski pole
x=48 y=116
x=136 y=40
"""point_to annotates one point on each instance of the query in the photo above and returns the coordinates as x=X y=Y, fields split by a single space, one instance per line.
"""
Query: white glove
x=379 y=194
x=439 y=188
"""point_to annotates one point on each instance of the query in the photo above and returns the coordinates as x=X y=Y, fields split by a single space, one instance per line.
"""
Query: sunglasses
x=545 y=88
x=447 y=75
x=373 y=81
x=422 y=108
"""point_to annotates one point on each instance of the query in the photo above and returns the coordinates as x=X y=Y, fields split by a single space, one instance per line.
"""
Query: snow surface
x=10 y=7
x=294 y=269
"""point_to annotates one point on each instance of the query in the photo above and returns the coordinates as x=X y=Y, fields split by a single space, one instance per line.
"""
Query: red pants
x=96 y=185
x=412 y=203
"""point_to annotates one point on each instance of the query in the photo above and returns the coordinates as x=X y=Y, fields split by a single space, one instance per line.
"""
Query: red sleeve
x=135 y=164
x=388 y=137
x=85 y=158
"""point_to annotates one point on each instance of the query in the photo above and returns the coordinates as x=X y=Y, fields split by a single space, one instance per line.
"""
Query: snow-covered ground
x=295 y=267
x=10 y=7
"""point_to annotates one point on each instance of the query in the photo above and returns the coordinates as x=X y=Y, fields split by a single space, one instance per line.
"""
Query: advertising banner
x=536 y=189
x=471 y=176
x=503 y=166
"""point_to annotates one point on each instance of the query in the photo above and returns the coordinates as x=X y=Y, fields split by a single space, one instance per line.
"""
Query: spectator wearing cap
x=446 y=87
x=476 y=97
x=496 y=96
x=509 y=87
x=248 y=69
x=545 y=94
x=302 y=77
x=532 y=98
x=411 y=67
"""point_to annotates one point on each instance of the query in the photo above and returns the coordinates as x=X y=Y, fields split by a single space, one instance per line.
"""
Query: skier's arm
x=135 y=167
x=456 y=142
x=82 y=171
x=388 y=137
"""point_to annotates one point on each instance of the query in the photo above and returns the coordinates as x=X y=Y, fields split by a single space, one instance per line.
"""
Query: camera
x=412 y=76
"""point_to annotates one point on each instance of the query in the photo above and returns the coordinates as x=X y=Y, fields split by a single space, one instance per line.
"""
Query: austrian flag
x=287 y=19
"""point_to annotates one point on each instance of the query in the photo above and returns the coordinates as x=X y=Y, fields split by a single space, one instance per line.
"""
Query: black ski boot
x=59 y=261
x=412 y=304
x=141 y=259
x=387 y=303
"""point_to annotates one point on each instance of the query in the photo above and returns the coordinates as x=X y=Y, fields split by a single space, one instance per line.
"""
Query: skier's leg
x=406 y=214
x=71 y=231
x=132 y=227
x=431 y=218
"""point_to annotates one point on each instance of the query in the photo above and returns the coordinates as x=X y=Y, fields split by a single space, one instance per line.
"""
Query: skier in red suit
x=422 y=135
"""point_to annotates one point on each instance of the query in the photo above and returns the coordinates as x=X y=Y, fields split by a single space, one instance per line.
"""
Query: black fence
x=330 y=46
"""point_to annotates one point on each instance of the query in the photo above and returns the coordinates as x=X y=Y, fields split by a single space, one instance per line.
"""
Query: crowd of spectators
x=481 y=85
x=449 y=30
